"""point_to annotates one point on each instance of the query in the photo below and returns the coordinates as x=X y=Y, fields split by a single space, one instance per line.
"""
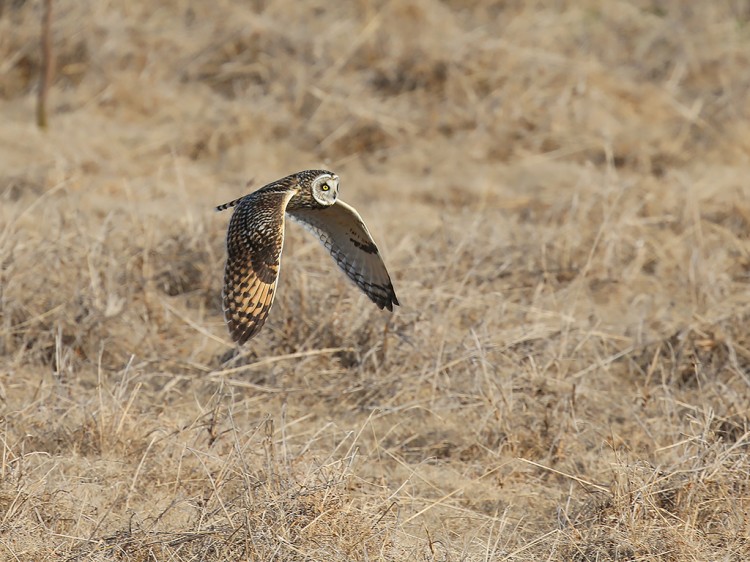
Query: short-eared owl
x=256 y=236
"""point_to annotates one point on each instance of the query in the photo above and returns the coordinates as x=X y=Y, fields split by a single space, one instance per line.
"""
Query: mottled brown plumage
x=255 y=239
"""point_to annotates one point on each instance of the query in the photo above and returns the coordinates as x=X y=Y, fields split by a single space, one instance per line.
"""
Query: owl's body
x=255 y=240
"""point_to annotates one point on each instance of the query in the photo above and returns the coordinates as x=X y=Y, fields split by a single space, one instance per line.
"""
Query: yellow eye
x=325 y=187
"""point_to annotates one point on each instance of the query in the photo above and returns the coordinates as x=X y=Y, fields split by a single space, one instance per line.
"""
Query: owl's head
x=325 y=188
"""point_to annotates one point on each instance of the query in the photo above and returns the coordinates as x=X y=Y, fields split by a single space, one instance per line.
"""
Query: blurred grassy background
x=559 y=191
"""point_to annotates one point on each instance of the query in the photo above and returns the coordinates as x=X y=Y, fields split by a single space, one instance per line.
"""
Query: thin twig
x=48 y=67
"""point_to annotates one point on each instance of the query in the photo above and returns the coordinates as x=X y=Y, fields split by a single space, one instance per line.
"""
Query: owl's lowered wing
x=254 y=242
x=342 y=231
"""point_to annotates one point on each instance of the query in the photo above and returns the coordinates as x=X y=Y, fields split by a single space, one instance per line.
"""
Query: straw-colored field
x=560 y=191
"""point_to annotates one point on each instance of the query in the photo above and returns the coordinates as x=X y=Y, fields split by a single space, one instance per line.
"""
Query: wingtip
x=242 y=334
x=392 y=298
x=389 y=301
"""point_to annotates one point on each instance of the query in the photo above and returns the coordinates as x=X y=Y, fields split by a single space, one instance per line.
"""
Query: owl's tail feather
x=225 y=206
x=230 y=204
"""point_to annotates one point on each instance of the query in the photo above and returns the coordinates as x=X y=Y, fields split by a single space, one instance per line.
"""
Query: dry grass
x=560 y=194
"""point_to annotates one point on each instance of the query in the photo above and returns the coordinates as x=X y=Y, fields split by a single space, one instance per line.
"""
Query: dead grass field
x=560 y=191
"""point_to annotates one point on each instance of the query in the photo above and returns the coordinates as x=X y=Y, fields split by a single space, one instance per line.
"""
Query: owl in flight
x=256 y=237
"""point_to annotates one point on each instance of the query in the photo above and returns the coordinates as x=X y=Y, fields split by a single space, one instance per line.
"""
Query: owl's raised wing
x=342 y=231
x=254 y=242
